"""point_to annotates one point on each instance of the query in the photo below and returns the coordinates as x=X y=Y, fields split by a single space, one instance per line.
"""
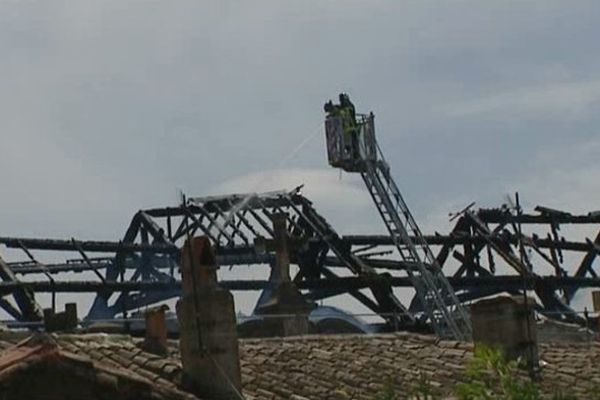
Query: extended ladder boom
x=352 y=146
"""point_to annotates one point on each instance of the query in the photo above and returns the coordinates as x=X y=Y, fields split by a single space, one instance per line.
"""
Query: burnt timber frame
x=142 y=268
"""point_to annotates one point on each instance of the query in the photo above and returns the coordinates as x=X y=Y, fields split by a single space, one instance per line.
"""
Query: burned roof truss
x=487 y=252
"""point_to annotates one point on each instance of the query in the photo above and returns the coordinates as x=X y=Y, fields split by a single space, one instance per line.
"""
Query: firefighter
x=330 y=109
x=345 y=110
x=346 y=103
x=351 y=131
x=333 y=110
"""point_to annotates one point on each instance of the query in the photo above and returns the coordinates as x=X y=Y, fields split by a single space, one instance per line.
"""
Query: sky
x=109 y=107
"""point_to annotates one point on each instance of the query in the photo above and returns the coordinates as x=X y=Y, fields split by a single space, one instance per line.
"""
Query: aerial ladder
x=351 y=146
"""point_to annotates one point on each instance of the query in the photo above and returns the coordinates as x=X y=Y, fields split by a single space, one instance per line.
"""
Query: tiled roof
x=113 y=360
x=336 y=366
x=358 y=366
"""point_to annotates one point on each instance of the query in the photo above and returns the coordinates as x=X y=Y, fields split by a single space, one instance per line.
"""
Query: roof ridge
x=431 y=339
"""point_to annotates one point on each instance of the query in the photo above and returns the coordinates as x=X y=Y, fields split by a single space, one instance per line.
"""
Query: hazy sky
x=108 y=107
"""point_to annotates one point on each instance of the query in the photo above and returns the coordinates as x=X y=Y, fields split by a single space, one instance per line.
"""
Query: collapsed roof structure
x=142 y=268
x=489 y=251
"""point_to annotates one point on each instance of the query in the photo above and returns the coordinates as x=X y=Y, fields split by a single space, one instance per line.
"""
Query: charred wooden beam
x=24 y=297
x=462 y=239
x=495 y=216
x=87 y=245
x=503 y=283
x=225 y=203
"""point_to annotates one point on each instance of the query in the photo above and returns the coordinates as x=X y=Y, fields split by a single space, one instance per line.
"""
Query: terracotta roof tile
x=333 y=366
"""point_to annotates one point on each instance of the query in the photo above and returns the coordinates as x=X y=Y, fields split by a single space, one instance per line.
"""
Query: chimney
x=508 y=323
x=596 y=300
x=65 y=321
x=285 y=309
x=156 y=331
x=208 y=337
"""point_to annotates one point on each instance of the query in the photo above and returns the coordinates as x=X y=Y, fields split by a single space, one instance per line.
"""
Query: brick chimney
x=596 y=300
x=156 y=331
x=208 y=337
x=65 y=321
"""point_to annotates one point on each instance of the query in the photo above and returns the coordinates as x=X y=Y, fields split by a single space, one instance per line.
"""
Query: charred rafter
x=142 y=268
